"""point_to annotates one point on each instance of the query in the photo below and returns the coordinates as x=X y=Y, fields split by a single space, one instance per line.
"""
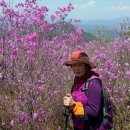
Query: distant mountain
x=110 y=25
x=88 y=37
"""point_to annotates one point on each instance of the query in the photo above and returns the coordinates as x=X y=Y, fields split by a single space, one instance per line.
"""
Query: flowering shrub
x=113 y=66
x=33 y=79
x=32 y=52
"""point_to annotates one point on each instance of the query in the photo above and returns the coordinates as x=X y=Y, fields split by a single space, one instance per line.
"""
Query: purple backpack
x=107 y=110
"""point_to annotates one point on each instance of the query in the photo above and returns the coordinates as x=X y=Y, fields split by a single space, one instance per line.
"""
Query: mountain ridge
x=110 y=24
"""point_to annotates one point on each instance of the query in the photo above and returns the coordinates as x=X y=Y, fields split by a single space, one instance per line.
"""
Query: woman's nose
x=76 y=68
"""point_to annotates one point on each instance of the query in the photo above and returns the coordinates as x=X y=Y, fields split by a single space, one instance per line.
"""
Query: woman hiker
x=86 y=110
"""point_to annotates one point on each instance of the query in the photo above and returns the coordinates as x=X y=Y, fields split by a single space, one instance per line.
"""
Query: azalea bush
x=33 y=79
x=32 y=52
x=114 y=68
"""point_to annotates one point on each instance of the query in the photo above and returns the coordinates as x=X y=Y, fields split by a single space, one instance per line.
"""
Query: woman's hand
x=68 y=100
x=77 y=107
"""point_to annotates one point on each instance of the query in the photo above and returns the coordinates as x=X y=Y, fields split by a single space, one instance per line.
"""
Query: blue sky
x=90 y=9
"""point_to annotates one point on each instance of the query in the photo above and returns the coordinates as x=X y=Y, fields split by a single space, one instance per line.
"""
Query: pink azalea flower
x=128 y=74
x=52 y=18
x=12 y=123
x=14 y=52
x=1 y=75
x=77 y=21
x=59 y=128
x=35 y=116
x=24 y=118
x=126 y=64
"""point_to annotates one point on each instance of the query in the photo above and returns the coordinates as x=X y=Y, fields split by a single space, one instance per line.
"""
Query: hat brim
x=71 y=62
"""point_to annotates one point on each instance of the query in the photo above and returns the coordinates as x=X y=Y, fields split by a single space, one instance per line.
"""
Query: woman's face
x=79 y=69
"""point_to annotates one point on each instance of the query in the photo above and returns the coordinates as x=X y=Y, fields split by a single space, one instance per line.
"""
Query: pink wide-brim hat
x=80 y=56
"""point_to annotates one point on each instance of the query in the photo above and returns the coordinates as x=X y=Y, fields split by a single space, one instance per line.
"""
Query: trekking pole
x=66 y=117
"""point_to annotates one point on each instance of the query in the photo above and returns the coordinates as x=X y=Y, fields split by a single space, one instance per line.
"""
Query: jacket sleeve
x=94 y=98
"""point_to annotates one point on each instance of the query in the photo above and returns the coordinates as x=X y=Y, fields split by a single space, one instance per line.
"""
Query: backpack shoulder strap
x=85 y=89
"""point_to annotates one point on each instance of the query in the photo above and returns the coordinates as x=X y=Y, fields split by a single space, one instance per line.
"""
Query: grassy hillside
x=88 y=37
x=68 y=28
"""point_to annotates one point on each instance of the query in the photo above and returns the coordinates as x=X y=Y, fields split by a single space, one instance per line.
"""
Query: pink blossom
x=0 y=28
x=52 y=18
x=1 y=75
x=31 y=1
x=126 y=64
x=0 y=97
x=9 y=31
x=34 y=20
x=14 y=52
x=70 y=20
x=79 y=31
x=2 y=3
x=128 y=74
x=59 y=128
x=35 y=116
x=32 y=37
x=77 y=21
x=70 y=7
x=24 y=117
x=45 y=8
x=12 y=123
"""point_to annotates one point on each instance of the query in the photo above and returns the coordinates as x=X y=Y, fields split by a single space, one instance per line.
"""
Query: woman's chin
x=78 y=75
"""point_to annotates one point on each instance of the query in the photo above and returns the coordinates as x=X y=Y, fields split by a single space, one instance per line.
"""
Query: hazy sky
x=90 y=9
